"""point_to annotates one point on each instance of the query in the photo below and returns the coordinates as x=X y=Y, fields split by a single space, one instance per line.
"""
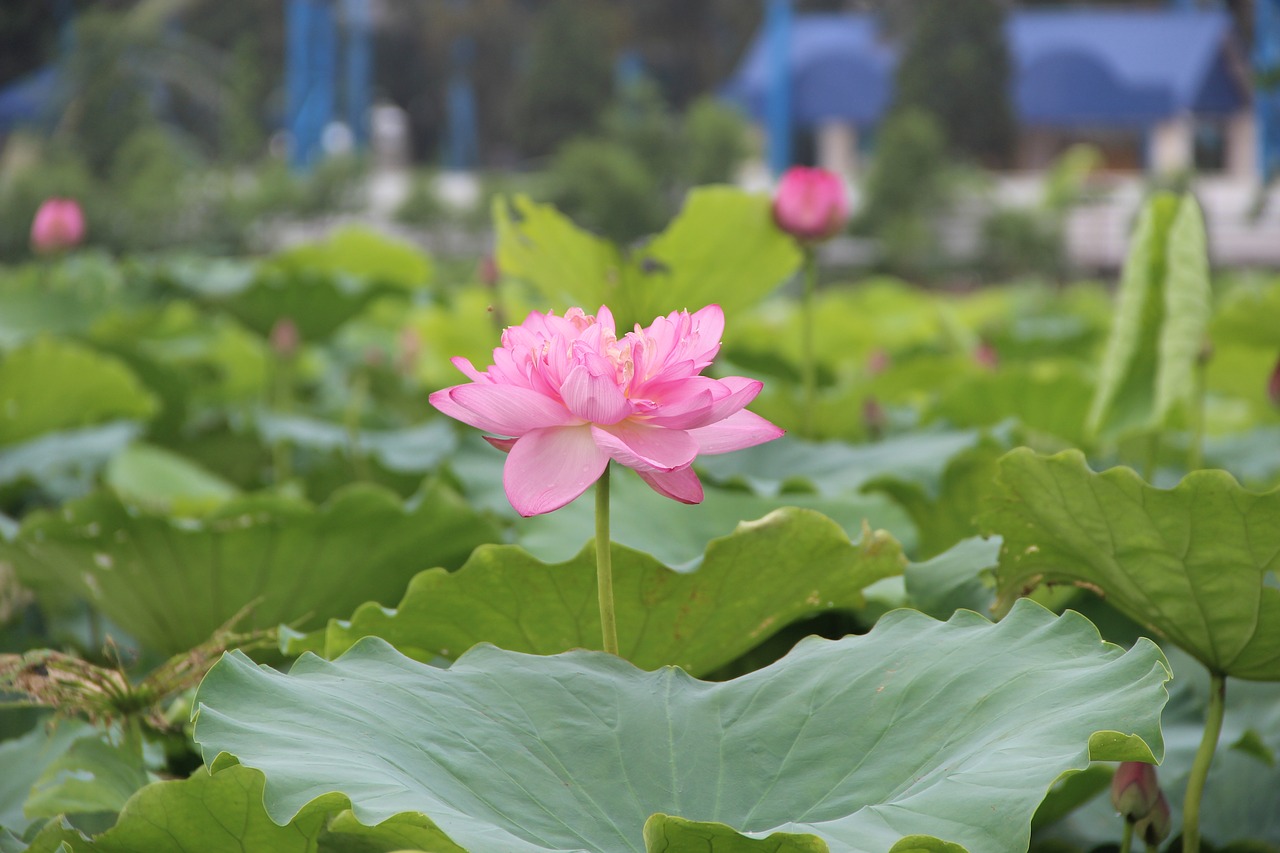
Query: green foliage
x=170 y=581
x=568 y=79
x=602 y=184
x=795 y=563
x=50 y=385
x=956 y=66
x=715 y=142
x=906 y=189
x=1149 y=369
x=721 y=248
x=578 y=750
x=1190 y=563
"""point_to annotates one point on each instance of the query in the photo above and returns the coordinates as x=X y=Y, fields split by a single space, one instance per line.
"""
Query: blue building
x=1155 y=89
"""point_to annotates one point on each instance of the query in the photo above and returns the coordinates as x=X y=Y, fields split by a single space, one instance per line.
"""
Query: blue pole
x=778 y=95
x=1266 y=100
x=359 y=68
x=310 y=64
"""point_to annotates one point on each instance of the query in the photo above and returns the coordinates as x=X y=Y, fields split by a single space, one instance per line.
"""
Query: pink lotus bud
x=1134 y=790
x=810 y=204
x=285 y=337
x=1154 y=828
x=874 y=418
x=1273 y=385
x=59 y=225
x=409 y=346
x=487 y=270
x=878 y=361
x=374 y=356
x=985 y=355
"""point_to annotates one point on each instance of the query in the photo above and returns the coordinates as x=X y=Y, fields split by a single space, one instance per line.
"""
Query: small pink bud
x=1154 y=828
x=1273 y=385
x=985 y=356
x=874 y=417
x=59 y=225
x=1134 y=790
x=810 y=204
x=284 y=337
x=487 y=270
x=374 y=357
x=878 y=361
x=410 y=348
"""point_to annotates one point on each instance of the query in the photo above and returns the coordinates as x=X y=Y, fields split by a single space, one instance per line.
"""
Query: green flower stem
x=282 y=392
x=1200 y=766
x=1195 y=452
x=351 y=422
x=808 y=372
x=604 y=566
x=1126 y=840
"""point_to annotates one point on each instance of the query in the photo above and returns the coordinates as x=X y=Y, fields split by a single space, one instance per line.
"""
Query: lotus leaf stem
x=808 y=371
x=1200 y=766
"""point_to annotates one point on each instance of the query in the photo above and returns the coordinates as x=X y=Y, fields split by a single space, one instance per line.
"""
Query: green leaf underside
x=790 y=564
x=171 y=582
x=1189 y=562
x=1161 y=317
x=722 y=248
x=949 y=730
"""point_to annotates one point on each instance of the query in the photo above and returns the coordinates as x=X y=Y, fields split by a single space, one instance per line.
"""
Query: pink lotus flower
x=810 y=204
x=566 y=395
x=59 y=224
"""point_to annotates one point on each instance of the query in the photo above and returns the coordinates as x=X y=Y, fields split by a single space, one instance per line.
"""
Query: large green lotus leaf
x=834 y=468
x=1189 y=563
x=950 y=730
x=207 y=813
x=722 y=248
x=677 y=534
x=24 y=760
x=170 y=582
x=92 y=776
x=65 y=464
x=415 y=450
x=161 y=480
x=1253 y=457
x=957 y=578
x=1047 y=397
x=945 y=509
x=1163 y=310
x=1246 y=314
x=61 y=298
x=50 y=385
x=790 y=564
x=568 y=266
x=667 y=834
x=364 y=253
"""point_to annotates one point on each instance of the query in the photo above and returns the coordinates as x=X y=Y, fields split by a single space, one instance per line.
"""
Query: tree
x=570 y=75
x=955 y=64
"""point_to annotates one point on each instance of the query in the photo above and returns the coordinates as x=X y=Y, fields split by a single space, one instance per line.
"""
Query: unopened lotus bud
x=284 y=337
x=985 y=355
x=487 y=271
x=1154 y=828
x=58 y=225
x=878 y=361
x=874 y=417
x=409 y=345
x=810 y=204
x=1273 y=385
x=1134 y=790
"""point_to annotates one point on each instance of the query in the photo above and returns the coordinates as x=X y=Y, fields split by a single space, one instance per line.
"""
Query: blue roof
x=1072 y=67
x=28 y=99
